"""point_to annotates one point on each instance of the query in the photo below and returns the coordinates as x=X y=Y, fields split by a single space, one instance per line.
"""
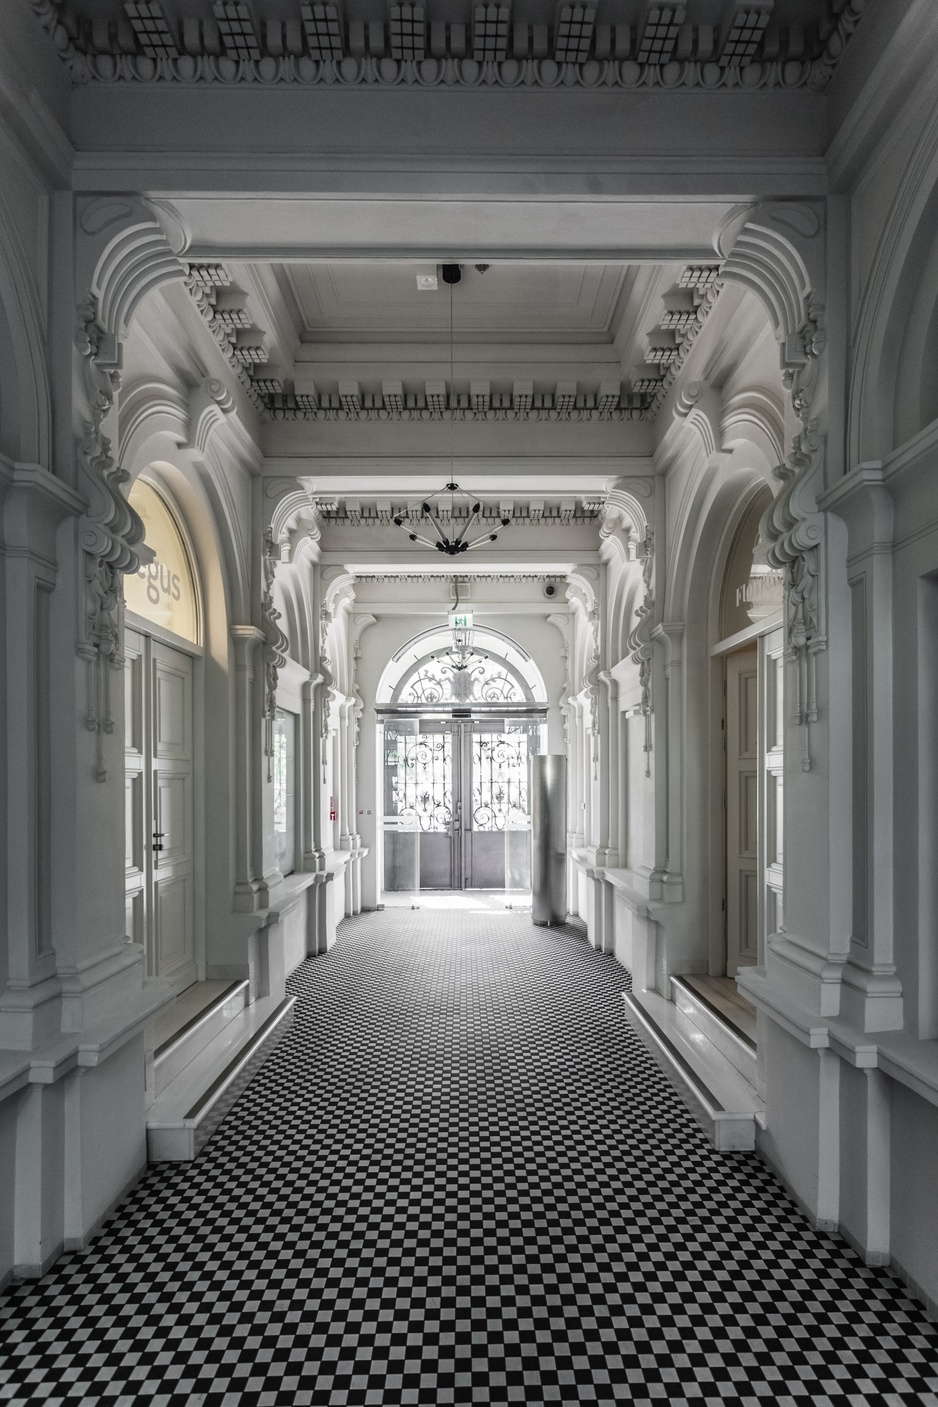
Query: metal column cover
x=549 y=839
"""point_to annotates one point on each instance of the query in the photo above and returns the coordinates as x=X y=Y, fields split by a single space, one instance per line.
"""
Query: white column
x=35 y=675
x=250 y=893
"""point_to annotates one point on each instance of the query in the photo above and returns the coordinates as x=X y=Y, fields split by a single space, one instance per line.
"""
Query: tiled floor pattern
x=461 y=1179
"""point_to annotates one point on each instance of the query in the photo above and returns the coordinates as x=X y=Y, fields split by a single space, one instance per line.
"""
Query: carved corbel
x=360 y=624
x=640 y=639
x=274 y=651
x=327 y=685
x=561 y=621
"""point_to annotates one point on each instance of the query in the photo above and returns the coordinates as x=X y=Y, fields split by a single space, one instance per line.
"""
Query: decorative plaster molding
x=151 y=401
x=640 y=640
x=606 y=64
x=683 y=312
x=275 y=648
x=294 y=518
x=779 y=256
x=128 y=255
x=755 y=409
x=372 y=512
x=111 y=532
x=388 y=578
x=504 y=415
x=561 y=621
x=209 y=405
x=702 y=407
x=202 y=291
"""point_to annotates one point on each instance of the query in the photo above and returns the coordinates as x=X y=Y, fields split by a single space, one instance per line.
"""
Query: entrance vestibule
x=457 y=802
x=456 y=738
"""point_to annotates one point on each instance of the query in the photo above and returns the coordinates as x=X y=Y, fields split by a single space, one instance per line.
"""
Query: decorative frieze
x=286 y=407
x=316 y=47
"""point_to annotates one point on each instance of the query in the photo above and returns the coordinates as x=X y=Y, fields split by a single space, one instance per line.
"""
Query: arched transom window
x=449 y=677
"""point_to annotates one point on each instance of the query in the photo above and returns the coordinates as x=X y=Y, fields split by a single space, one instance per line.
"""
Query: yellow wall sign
x=163 y=591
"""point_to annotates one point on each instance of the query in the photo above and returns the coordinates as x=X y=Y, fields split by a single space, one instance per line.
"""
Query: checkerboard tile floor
x=461 y=1179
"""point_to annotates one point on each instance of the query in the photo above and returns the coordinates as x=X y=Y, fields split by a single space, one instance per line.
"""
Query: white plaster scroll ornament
x=275 y=648
x=778 y=254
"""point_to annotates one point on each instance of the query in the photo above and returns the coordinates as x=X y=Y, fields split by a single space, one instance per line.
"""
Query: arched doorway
x=461 y=714
x=162 y=647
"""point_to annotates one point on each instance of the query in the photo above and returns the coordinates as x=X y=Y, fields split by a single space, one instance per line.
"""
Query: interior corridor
x=461 y=1178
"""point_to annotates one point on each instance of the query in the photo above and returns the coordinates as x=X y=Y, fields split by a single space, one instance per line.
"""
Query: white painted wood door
x=772 y=761
x=160 y=840
x=742 y=810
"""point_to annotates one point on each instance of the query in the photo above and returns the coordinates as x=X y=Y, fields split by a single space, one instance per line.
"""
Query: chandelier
x=462 y=508
x=433 y=510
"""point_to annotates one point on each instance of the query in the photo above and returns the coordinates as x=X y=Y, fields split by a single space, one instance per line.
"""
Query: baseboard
x=875 y=1259
x=74 y=1243
x=929 y=1305
x=78 y=1243
x=36 y=1272
x=817 y=1223
x=879 y=1260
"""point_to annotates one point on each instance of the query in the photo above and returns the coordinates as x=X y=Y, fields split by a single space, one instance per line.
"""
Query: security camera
x=550 y=590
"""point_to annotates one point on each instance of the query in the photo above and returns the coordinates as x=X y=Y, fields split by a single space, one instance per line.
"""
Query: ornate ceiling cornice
x=682 y=314
x=745 y=54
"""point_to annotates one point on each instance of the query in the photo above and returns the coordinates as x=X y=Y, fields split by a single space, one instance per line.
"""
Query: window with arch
x=454 y=677
x=752 y=591
x=164 y=590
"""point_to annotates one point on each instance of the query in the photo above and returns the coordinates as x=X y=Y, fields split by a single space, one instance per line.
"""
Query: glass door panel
x=498 y=817
x=457 y=802
x=419 y=805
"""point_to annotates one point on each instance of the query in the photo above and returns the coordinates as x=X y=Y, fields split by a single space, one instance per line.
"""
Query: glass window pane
x=284 y=773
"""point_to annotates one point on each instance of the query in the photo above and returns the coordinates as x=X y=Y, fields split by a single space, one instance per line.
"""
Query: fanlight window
x=163 y=591
x=447 y=677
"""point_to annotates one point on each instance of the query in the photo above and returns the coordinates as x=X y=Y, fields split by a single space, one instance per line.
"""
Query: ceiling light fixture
x=434 y=509
x=464 y=513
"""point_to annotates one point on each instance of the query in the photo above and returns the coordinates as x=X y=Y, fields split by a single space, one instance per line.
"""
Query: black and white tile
x=462 y=1179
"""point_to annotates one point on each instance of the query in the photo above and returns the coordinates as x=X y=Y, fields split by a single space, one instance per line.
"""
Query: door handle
x=158 y=840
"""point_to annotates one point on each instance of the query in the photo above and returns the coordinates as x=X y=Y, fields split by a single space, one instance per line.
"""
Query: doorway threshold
x=463 y=900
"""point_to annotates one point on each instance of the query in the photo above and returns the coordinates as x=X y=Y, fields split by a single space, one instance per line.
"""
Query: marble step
x=197 y=1019
x=182 y=1119
x=716 y=1024
x=724 y=1103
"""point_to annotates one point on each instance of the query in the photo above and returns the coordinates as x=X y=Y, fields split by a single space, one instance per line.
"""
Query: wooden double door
x=159 y=811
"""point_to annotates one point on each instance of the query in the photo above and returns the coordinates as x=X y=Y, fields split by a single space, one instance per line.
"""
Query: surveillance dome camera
x=550 y=589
